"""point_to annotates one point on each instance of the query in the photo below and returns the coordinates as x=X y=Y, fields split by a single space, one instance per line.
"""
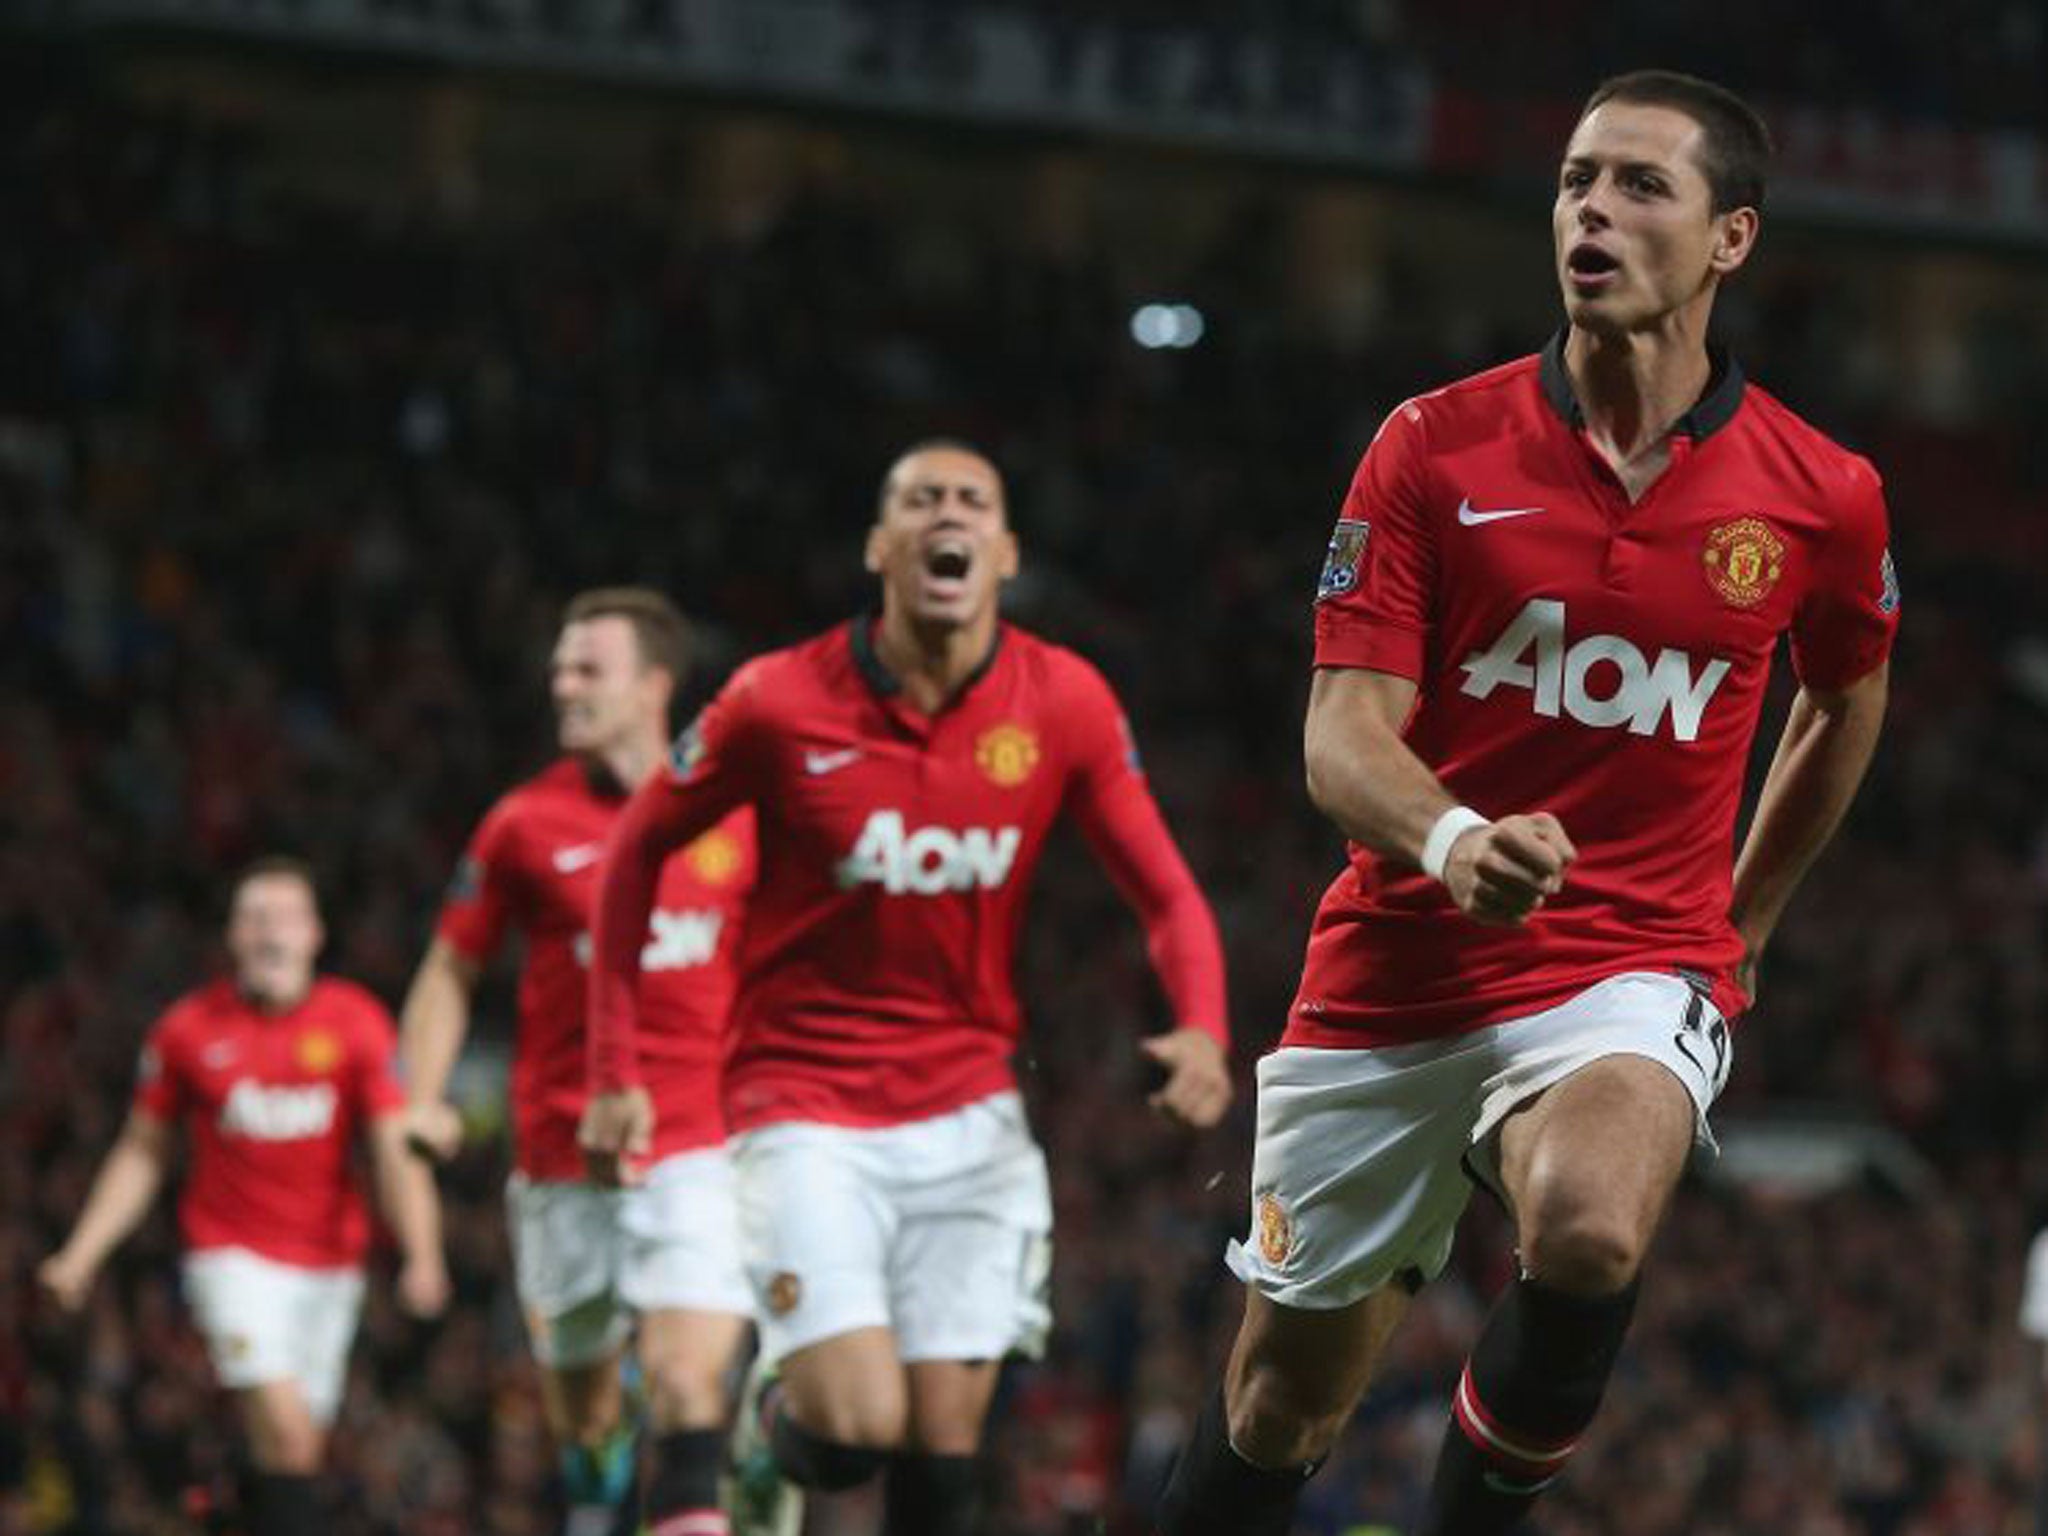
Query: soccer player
x=1553 y=595
x=588 y=1261
x=905 y=770
x=273 y=1073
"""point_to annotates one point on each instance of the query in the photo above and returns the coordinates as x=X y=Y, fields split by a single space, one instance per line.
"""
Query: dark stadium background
x=341 y=340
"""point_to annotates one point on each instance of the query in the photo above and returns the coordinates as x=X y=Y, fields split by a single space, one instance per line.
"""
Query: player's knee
x=682 y=1394
x=1583 y=1251
x=877 y=1421
x=1279 y=1419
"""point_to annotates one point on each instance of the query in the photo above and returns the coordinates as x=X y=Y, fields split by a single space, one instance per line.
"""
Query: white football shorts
x=940 y=1229
x=1364 y=1159
x=265 y=1321
x=586 y=1259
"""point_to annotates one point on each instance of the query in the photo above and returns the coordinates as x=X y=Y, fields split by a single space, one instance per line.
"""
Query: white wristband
x=1449 y=827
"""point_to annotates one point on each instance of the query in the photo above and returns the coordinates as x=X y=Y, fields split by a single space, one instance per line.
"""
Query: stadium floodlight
x=1178 y=326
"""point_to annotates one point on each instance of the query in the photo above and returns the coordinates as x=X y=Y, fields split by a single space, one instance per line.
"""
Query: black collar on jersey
x=861 y=632
x=1714 y=409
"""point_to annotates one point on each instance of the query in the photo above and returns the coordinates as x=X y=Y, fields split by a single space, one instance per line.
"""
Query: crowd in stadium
x=290 y=498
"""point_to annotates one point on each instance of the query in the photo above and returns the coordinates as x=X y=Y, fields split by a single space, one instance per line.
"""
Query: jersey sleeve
x=1113 y=805
x=376 y=1082
x=478 y=906
x=1374 y=600
x=713 y=769
x=159 y=1086
x=1844 y=624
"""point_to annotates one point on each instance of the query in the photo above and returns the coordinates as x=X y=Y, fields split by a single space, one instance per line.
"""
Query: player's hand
x=1746 y=969
x=1197 y=1088
x=433 y=1130
x=423 y=1286
x=1502 y=872
x=65 y=1280
x=617 y=1132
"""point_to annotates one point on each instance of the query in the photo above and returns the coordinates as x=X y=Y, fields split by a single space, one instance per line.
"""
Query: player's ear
x=871 y=552
x=1734 y=239
x=1009 y=556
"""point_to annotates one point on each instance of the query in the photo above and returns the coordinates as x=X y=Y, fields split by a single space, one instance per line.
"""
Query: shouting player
x=272 y=1073
x=905 y=771
x=589 y=1261
x=1543 y=635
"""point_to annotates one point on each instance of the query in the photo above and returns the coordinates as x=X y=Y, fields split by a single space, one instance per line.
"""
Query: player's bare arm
x=432 y=1027
x=1363 y=776
x=405 y=1191
x=1826 y=745
x=121 y=1196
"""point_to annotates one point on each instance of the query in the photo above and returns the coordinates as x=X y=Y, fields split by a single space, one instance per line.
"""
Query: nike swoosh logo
x=569 y=860
x=1472 y=518
x=816 y=762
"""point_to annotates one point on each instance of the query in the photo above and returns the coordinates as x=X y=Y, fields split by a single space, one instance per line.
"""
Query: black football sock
x=927 y=1495
x=284 y=1504
x=682 y=1484
x=1214 y=1491
x=811 y=1461
x=1527 y=1394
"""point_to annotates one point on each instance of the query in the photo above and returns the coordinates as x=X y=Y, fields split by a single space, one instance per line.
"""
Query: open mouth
x=1590 y=265
x=948 y=561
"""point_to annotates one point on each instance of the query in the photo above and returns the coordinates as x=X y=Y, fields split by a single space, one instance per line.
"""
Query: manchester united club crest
x=319 y=1051
x=784 y=1292
x=714 y=858
x=1006 y=753
x=1276 y=1231
x=1743 y=561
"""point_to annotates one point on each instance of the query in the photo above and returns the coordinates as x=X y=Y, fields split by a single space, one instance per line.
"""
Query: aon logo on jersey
x=1634 y=691
x=930 y=860
x=264 y=1113
x=675 y=940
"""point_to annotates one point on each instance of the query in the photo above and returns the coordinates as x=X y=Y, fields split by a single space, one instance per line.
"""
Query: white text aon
x=676 y=941
x=264 y=1113
x=1635 y=692
x=929 y=860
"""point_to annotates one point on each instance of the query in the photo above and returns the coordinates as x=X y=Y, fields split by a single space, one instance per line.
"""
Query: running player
x=895 y=1207
x=588 y=1261
x=272 y=1074
x=1553 y=593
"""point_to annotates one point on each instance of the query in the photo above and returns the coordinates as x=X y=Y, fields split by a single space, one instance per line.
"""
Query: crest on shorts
x=1276 y=1230
x=784 y=1292
x=319 y=1051
x=1346 y=554
x=1743 y=560
x=1006 y=753
x=714 y=858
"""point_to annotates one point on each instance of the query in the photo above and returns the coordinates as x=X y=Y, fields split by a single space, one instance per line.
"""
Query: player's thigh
x=1296 y=1374
x=970 y=1269
x=949 y=1402
x=284 y=1435
x=1357 y=1169
x=815 y=1229
x=1597 y=1104
x=565 y=1267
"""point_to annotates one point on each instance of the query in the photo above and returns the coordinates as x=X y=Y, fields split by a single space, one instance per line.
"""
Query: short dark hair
x=273 y=865
x=940 y=443
x=658 y=625
x=1735 y=154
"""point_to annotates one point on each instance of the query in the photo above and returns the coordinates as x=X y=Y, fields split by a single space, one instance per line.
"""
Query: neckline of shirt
x=1714 y=409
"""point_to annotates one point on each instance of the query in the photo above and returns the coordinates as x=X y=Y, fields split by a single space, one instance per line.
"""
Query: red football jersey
x=270 y=1104
x=896 y=851
x=532 y=865
x=1578 y=654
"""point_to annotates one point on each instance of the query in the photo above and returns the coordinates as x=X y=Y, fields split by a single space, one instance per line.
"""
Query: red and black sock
x=682 y=1484
x=1528 y=1392
x=1214 y=1491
